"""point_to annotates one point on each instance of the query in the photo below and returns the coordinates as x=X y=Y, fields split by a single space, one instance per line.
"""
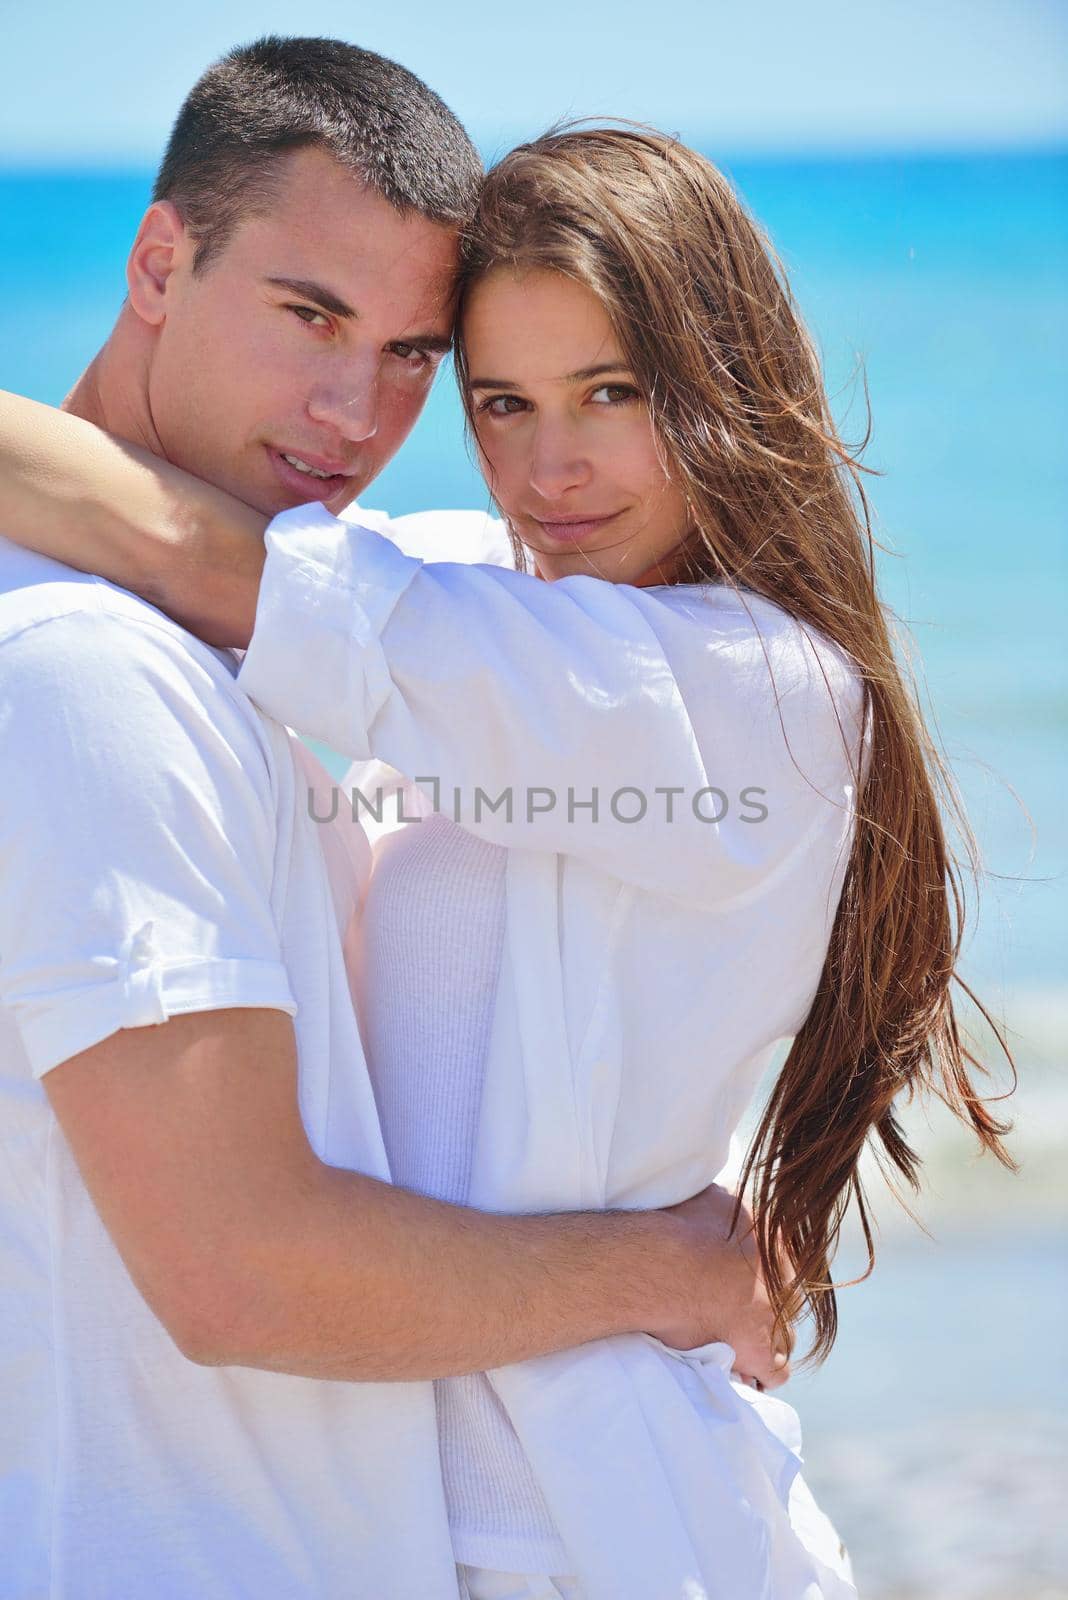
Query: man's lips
x=575 y=526
x=308 y=484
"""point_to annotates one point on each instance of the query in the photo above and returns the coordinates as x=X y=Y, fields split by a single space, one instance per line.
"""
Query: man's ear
x=161 y=245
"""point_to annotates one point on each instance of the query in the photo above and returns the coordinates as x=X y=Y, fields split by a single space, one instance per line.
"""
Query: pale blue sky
x=99 y=84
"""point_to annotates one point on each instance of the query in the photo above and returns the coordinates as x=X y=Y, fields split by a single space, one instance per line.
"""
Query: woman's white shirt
x=680 y=764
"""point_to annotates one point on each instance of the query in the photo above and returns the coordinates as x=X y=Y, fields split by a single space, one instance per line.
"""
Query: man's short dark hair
x=263 y=101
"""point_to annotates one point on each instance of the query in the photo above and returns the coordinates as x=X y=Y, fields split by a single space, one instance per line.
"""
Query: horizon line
x=120 y=162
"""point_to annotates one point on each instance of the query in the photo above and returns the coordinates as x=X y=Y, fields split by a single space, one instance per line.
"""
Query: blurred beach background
x=911 y=166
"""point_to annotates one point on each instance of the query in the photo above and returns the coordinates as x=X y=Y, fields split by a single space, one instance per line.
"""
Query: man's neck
x=112 y=392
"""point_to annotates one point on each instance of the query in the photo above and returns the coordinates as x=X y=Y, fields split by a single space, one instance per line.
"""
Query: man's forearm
x=376 y=1283
x=253 y=1252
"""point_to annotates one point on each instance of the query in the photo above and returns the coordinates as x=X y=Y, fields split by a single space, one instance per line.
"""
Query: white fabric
x=468 y=536
x=649 y=969
x=432 y=934
x=482 y=1583
x=156 y=856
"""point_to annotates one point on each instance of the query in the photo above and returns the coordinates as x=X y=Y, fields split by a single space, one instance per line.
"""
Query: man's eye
x=503 y=405
x=411 y=353
x=306 y=313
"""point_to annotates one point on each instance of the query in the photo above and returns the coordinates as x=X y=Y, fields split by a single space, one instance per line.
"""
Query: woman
x=688 y=809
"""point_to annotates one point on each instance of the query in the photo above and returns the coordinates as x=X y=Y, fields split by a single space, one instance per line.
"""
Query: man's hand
x=729 y=1298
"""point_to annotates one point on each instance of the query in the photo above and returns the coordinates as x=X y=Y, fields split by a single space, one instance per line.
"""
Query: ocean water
x=937 y=1433
x=946 y=278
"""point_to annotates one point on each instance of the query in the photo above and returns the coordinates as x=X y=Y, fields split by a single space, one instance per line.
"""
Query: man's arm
x=252 y=1252
x=137 y=858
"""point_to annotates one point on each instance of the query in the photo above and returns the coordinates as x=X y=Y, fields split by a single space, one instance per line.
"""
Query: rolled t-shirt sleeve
x=137 y=835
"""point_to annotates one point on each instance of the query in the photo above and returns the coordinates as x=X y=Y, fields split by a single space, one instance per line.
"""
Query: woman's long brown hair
x=709 y=327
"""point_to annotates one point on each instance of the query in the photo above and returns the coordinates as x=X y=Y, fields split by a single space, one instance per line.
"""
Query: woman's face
x=565 y=439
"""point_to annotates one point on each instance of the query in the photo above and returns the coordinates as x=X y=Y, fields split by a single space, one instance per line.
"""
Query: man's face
x=314 y=334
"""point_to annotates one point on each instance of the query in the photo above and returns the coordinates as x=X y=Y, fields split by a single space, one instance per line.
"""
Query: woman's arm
x=636 y=729
x=102 y=505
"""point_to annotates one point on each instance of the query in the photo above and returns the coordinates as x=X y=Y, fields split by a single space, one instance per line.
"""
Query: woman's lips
x=574 y=529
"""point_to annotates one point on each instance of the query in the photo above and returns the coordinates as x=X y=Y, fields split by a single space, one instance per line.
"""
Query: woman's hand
x=730 y=1300
x=100 y=504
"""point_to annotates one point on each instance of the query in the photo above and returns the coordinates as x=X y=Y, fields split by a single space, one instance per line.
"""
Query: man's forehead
x=314 y=191
x=354 y=247
x=354 y=285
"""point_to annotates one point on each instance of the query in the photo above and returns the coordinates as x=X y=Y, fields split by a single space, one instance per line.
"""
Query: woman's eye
x=618 y=394
x=306 y=313
x=503 y=405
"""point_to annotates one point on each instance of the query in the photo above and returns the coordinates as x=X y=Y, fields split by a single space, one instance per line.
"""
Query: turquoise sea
x=937 y=1433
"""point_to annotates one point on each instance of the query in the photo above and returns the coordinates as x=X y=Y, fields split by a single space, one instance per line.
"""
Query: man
x=209 y=1282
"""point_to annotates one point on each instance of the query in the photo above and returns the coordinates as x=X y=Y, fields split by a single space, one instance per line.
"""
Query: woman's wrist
x=202 y=556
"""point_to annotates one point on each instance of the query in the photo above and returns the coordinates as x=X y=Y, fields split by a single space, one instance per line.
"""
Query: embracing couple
x=359 y=1223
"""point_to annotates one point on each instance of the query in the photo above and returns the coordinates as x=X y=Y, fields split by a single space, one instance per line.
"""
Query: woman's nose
x=557 y=464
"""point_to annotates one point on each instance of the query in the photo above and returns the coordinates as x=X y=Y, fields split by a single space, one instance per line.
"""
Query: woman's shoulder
x=761 y=683
x=747 y=635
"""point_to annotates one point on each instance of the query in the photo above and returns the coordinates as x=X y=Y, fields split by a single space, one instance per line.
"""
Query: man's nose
x=557 y=463
x=348 y=402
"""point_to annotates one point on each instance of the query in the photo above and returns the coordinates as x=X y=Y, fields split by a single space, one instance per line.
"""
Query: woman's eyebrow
x=585 y=373
x=581 y=376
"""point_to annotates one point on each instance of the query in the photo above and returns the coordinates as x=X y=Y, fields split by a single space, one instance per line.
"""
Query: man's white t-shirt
x=158 y=854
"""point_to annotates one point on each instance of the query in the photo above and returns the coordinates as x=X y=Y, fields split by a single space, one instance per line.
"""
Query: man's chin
x=344 y=498
x=269 y=496
x=271 y=502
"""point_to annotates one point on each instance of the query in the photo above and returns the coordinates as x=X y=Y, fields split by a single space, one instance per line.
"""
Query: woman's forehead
x=552 y=327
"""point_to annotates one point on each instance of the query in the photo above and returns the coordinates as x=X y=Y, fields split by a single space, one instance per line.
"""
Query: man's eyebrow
x=583 y=375
x=307 y=290
x=433 y=343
